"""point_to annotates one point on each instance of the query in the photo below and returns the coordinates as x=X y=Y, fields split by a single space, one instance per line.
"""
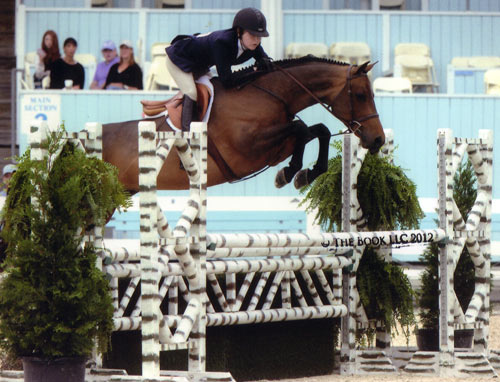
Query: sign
x=46 y=107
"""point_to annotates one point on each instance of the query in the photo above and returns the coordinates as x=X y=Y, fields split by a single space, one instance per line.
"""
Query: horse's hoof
x=280 y=179
x=301 y=179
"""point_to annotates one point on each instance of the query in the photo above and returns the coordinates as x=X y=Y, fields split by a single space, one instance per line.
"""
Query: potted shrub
x=464 y=193
x=54 y=302
x=383 y=188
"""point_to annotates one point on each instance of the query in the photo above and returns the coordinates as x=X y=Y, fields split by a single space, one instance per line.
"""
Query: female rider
x=190 y=57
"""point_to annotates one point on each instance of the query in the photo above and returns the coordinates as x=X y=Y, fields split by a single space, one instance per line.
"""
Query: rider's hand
x=265 y=64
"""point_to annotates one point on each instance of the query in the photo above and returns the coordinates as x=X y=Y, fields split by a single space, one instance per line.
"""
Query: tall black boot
x=188 y=113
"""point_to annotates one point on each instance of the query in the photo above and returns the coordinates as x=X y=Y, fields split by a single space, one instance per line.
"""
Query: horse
x=252 y=126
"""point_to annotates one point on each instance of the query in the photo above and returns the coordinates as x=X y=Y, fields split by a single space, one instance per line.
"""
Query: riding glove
x=265 y=64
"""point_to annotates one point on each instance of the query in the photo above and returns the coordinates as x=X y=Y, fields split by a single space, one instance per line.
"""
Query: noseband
x=353 y=125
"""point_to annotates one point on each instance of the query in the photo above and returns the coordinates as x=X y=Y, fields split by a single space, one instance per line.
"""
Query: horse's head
x=355 y=106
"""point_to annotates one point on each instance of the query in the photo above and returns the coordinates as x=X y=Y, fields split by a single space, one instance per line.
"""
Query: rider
x=190 y=57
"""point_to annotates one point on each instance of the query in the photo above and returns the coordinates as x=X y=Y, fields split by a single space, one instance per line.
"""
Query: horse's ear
x=366 y=67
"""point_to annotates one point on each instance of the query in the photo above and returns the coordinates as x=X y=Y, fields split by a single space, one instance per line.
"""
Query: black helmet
x=252 y=20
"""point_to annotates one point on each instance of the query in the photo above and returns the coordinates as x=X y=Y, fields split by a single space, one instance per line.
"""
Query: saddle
x=174 y=105
x=174 y=108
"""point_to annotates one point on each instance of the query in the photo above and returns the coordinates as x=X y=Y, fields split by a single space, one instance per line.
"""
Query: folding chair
x=392 y=85
x=355 y=53
x=492 y=81
x=418 y=69
x=300 y=49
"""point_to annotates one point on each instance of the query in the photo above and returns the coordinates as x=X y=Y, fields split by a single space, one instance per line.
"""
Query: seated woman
x=126 y=74
x=67 y=69
x=46 y=56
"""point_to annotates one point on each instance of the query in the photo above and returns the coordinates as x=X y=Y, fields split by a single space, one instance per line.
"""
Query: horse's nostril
x=379 y=141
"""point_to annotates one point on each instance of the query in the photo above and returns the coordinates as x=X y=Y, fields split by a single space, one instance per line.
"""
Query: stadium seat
x=392 y=85
x=89 y=62
x=418 y=69
x=460 y=62
x=169 y=3
x=159 y=76
x=29 y=70
x=300 y=49
x=413 y=48
x=158 y=49
x=492 y=81
x=484 y=62
x=392 y=4
x=102 y=3
x=354 y=53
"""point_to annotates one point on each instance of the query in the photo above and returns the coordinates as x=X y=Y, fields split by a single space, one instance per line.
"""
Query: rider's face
x=250 y=41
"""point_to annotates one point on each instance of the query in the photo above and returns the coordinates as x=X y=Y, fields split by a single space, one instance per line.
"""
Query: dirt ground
x=494 y=344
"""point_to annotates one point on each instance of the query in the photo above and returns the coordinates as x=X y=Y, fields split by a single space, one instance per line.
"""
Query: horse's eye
x=361 y=97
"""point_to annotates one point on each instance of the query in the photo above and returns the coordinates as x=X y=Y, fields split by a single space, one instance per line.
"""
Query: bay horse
x=253 y=125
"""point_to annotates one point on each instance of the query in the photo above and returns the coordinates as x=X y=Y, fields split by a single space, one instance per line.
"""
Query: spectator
x=8 y=171
x=110 y=58
x=126 y=74
x=47 y=54
x=67 y=68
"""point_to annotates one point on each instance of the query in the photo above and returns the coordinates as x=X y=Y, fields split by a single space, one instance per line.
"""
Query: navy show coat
x=196 y=54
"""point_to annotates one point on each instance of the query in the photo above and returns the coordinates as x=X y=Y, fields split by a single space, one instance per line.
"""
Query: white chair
x=460 y=62
x=300 y=49
x=86 y=59
x=158 y=49
x=413 y=48
x=102 y=3
x=159 y=77
x=484 y=62
x=89 y=62
x=169 y=3
x=355 y=53
x=30 y=60
x=392 y=4
x=492 y=81
x=392 y=85
x=418 y=69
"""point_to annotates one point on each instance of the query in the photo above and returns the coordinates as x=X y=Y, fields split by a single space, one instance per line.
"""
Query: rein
x=352 y=125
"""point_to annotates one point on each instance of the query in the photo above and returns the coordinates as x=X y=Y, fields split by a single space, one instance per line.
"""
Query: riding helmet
x=252 y=20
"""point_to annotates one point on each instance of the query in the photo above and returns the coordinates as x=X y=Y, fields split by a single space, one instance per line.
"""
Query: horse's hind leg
x=286 y=174
x=306 y=176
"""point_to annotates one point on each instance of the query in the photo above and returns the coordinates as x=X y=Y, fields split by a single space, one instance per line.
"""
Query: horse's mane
x=248 y=74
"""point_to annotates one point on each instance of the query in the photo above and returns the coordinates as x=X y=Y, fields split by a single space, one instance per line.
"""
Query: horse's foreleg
x=302 y=136
x=307 y=176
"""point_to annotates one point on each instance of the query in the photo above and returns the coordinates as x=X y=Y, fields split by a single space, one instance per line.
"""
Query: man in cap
x=8 y=170
x=110 y=58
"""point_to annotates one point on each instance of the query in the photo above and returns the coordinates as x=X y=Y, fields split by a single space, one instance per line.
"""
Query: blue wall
x=414 y=119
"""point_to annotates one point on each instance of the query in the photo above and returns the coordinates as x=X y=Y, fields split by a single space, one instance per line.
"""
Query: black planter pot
x=428 y=339
x=62 y=369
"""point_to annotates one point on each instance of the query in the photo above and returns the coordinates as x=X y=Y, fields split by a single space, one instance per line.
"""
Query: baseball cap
x=109 y=45
x=9 y=168
x=127 y=43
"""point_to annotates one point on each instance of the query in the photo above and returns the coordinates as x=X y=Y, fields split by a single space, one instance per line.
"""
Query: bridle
x=352 y=124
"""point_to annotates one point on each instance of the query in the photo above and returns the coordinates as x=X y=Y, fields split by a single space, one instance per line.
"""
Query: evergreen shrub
x=53 y=300
x=389 y=202
x=464 y=194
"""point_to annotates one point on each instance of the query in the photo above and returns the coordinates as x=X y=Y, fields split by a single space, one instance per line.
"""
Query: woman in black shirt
x=67 y=68
x=126 y=74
